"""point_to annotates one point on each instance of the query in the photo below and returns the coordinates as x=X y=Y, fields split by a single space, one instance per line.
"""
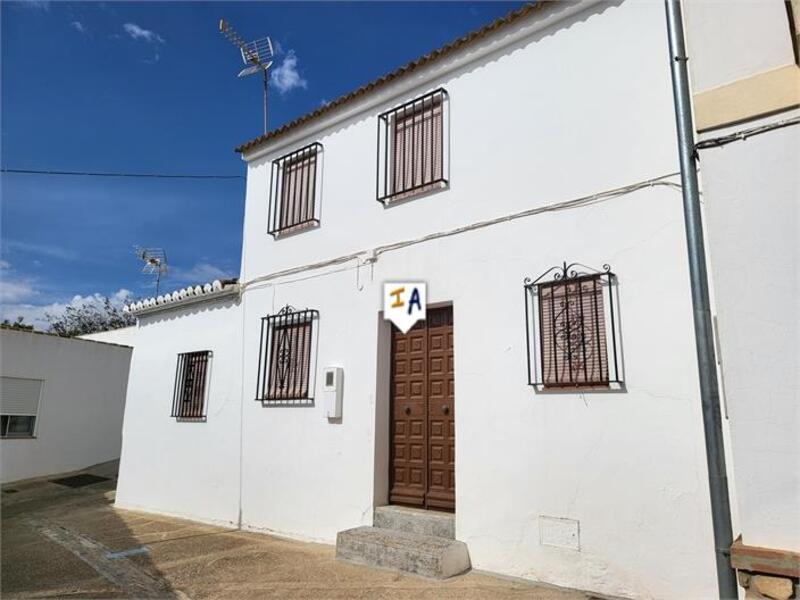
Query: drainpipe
x=703 y=328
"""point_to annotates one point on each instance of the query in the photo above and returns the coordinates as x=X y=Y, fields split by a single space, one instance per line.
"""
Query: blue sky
x=151 y=87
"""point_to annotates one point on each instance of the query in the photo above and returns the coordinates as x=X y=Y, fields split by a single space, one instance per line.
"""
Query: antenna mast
x=256 y=55
x=155 y=263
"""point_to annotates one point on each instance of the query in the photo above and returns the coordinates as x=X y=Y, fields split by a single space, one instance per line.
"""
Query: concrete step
x=415 y=520
x=424 y=555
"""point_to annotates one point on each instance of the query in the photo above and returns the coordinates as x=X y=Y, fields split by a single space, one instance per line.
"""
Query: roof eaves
x=190 y=295
x=458 y=44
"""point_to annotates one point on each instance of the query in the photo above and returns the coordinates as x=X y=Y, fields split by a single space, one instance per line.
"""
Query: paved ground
x=72 y=543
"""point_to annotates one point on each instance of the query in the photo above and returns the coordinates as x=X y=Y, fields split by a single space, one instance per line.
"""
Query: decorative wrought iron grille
x=285 y=370
x=293 y=191
x=191 y=375
x=412 y=147
x=571 y=328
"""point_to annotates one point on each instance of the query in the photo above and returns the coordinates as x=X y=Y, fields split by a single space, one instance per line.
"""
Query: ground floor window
x=12 y=426
x=19 y=406
x=285 y=371
x=189 y=400
x=571 y=328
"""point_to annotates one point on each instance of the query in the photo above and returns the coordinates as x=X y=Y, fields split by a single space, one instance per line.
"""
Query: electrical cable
x=374 y=253
x=745 y=133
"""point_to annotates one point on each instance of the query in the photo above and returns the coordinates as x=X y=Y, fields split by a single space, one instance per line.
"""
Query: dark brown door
x=423 y=413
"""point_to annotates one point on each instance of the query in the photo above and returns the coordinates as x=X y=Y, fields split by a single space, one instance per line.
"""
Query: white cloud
x=36 y=314
x=199 y=273
x=78 y=26
x=4 y=264
x=16 y=290
x=286 y=77
x=139 y=33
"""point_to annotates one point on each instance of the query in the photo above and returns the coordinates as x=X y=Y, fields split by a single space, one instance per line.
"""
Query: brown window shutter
x=298 y=190
x=417 y=146
x=290 y=357
x=573 y=333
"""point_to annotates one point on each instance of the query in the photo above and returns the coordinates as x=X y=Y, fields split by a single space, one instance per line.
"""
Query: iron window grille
x=571 y=328
x=285 y=370
x=413 y=142
x=294 y=191
x=191 y=379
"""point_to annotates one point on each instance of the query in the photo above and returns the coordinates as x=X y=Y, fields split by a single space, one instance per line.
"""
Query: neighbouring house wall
x=189 y=469
x=125 y=336
x=752 y=191
x=745 y=76
x=741 y=59
x=79 y=420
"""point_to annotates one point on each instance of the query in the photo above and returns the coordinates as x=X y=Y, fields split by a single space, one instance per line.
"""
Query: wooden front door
x=422 y=469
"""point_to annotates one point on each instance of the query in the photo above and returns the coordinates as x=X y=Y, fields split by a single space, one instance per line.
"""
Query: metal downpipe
x=703 y=328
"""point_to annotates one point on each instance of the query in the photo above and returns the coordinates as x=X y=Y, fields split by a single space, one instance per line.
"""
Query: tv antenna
x=256 y=55
x=155 y=263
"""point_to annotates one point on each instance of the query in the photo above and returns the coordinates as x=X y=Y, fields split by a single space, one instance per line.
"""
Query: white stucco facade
x=545 y=112
x=81 y=402
x=125 y=336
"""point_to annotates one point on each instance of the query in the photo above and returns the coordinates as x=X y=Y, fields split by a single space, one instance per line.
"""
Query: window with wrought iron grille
x=285 y=369
x=191 y=380
x=412 y=148
x=571 y=328
x=294 y=191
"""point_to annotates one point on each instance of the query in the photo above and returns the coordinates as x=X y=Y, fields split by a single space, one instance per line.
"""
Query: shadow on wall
x=60 y=540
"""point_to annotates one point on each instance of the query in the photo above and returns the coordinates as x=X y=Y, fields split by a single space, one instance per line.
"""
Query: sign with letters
x=404 y=303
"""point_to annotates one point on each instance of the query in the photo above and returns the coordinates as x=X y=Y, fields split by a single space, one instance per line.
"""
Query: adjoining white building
x=746 y=84
x=528 y=174
x=62 y=402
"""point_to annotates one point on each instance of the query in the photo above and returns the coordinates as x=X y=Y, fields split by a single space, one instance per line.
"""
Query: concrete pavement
x=72 y=543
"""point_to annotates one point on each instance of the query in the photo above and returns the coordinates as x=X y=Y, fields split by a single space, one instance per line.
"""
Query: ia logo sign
x=404 y=303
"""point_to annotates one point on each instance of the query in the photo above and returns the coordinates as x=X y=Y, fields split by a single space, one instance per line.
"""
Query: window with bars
x=412 y=147
x=191 y=380
x=285 y=370
x=294 y=191
x=571 y=329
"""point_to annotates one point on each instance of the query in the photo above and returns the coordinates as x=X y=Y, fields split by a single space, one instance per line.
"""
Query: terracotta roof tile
x=466 y=40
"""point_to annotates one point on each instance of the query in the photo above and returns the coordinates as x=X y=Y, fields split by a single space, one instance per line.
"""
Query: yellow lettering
x=397 y=301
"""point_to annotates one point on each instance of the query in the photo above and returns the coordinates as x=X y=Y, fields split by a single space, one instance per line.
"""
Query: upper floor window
x=571 y=329
x=294 y=191
x=191 y=376
x=285 y=371
x=412 y=147
x=19 y=406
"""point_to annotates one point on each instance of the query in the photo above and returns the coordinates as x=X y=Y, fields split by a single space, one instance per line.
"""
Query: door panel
x=423 y=413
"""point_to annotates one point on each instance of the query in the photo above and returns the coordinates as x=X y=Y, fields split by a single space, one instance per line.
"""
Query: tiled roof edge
x=188 y=295
x=464 y=41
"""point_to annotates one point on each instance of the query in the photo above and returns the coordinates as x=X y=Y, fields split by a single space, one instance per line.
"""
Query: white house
x=62 y=402
x=746 y=110
x=528 y=174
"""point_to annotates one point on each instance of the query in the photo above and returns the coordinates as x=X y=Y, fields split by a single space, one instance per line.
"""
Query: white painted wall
x=752 y=191
x=188 y=469
x=125 y=336
x=80 y=411
x=567 y=112
x=735 y=40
